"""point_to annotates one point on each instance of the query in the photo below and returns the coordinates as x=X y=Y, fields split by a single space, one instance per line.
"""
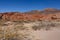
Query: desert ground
x=38 y=30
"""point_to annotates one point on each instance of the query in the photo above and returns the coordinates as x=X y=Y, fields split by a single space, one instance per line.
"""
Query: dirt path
x=53 y=34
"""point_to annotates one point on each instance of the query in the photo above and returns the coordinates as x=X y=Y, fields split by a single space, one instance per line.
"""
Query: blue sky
x=27 y=5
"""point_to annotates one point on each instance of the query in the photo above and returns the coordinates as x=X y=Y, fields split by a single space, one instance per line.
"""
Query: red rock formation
x=16 y=16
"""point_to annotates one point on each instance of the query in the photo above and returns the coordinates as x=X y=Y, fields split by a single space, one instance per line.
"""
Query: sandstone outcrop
x=47 y=14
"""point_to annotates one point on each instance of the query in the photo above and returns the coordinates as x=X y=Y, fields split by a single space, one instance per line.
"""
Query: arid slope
x=47 y=14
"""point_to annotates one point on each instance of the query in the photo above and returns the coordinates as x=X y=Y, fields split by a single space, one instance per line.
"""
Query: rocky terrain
x=47 y=14
x=32 y=25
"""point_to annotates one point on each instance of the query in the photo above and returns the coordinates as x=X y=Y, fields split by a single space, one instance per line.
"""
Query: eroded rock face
x=17 y=16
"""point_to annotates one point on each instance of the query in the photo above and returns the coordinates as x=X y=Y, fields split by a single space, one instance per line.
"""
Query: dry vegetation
x=24 y=30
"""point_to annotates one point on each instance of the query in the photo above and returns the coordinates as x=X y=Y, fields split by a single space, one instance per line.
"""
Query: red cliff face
x=16 y=16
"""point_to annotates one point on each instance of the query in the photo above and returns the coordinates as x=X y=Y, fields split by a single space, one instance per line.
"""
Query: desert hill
x=47 y=14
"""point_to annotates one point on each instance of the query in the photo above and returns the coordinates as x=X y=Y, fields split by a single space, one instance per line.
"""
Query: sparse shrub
x=9 y=34
x=52 y=25
x=19 y=28
x=1 y=33
x=44 y=25
x=36 y=27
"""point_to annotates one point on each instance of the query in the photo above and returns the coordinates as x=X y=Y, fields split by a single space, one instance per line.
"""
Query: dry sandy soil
x=53 y=34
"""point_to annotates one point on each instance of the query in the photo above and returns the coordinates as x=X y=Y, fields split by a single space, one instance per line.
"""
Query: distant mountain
x=50 y=10
x=47 y=14
x=45 y=11
x=33 y=11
